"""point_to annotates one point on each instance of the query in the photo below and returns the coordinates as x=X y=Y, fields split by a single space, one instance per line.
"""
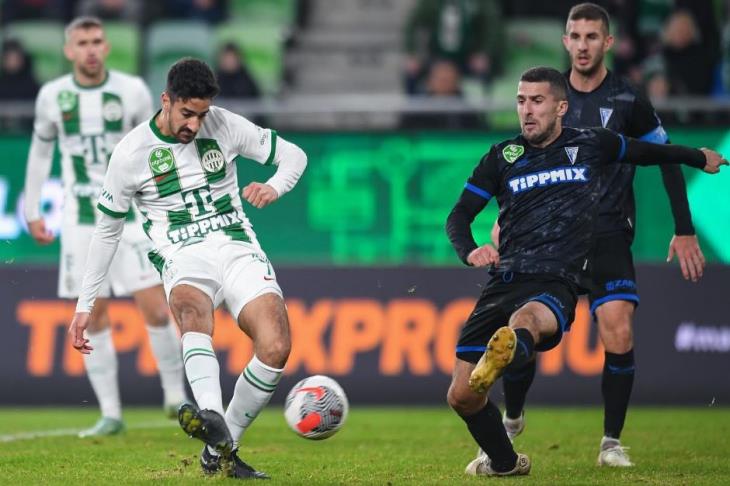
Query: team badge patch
x=67 y=100
x=161 y=161
x=212 y=160
x=512 y=152
x=605 y=115
x=112 y=111
x=572 y=154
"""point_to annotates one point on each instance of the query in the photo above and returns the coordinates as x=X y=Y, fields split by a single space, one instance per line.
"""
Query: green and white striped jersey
x=88 y=122
x=187 y=193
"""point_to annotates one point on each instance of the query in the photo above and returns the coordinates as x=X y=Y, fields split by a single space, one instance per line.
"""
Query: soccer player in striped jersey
x=180 y=169
x=87 y=112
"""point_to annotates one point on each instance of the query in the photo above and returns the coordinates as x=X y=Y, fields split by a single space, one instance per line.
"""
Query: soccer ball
x=316 y=407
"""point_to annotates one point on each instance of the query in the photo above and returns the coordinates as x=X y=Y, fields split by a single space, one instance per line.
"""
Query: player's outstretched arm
x=646 y=153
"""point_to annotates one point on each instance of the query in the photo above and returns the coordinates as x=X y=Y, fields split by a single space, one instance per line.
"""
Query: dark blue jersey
x=616 y=105
x=548 y=197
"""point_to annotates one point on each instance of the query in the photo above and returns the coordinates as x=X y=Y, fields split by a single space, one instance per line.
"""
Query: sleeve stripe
x=107 y=211
x=658 y=135
x=477 y=191
x=272 y=154
x=622 y=152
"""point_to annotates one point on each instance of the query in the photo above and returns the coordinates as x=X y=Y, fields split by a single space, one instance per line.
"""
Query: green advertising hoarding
x=383 y=198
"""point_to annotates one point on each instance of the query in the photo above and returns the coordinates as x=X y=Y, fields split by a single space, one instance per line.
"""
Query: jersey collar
x=158 y=133
x=93 y=86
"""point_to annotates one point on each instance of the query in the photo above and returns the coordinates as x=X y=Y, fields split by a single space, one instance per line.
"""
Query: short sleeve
x=645 y=124
x=120 y=185
x=484 y=181
x=44 y=126
x=250 y=140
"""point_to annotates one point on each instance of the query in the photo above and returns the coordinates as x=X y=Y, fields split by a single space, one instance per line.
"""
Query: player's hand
x=495 y=234
x=483 y=256
x=713 y=161
x=39 y=232
x=76 y=332
x=689 y=254
x=259 y=195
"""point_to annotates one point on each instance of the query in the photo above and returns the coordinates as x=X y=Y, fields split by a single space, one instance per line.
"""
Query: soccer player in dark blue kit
x=547 y=184
x=597 y=97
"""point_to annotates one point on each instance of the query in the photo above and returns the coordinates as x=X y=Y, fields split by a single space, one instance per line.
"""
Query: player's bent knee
x=275 y=354
x=462 y=402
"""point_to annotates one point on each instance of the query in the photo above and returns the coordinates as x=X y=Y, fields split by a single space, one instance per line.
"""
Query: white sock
x=166 y=348
x=101 y=368
x=202 y=370
x=253 y=391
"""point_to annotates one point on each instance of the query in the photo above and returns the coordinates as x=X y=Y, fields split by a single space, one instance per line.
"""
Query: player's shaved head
x=588 y=11
x=83 y=23
x=556 y=80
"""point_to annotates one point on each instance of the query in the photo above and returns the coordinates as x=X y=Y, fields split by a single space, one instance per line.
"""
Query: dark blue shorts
x=610 y=274
x=502 y=296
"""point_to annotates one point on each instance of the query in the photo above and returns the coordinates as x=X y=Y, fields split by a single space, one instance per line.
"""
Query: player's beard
x=539 y=138
x=90 y=72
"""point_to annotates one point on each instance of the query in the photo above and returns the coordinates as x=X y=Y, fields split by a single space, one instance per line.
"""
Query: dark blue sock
x=516 y=384
x=618 y=380
x=524 y=352
x=488 y=431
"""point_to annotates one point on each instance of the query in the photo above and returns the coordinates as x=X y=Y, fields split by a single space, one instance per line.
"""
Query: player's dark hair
x=191 y=78
x=542 y=74
x=589 y=11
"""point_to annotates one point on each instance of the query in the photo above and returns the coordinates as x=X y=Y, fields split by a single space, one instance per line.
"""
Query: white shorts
x=130 y=270
x=230 y=271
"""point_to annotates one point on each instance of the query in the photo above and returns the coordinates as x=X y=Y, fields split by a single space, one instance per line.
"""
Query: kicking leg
x=265 y=320
x=484 y=422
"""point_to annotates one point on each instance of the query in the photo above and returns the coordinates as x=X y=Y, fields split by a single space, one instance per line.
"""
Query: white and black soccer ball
x=316 y=407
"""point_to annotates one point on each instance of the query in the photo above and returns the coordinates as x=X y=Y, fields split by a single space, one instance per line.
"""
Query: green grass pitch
x=386 y=446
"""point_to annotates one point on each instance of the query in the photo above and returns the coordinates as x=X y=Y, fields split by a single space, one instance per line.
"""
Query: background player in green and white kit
x=180 y=169
x=89 y=111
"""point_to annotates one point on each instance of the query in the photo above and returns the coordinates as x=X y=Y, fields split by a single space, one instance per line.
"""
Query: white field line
x=154 y=424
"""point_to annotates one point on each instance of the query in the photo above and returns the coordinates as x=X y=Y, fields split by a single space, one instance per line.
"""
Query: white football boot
x=613 y=454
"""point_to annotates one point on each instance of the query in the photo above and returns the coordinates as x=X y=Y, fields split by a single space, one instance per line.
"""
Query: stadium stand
x=169 y=40
x=42 y=40
x=125 y=40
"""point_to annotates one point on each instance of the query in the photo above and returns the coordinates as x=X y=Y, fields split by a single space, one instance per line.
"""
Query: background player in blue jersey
x=599 y=98
x=547 y=183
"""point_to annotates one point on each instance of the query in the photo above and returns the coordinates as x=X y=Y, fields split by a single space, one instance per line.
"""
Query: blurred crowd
x=667 y=47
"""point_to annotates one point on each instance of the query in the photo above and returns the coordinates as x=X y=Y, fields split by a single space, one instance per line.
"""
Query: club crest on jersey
x=605 y=115
x=557 y=175
x=572 y=153
x=161 y=161
x=66 y=100
x=512 y=152
x=112 y=111
x=212 y=160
